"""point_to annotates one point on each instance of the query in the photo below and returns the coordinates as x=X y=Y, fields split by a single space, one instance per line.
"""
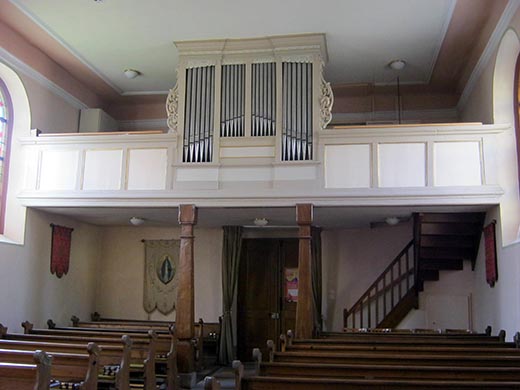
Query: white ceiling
x=363 y=36
x=281 y=217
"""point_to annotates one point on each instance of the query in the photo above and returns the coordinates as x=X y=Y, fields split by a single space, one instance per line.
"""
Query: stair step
x=446 y=253
x=459 y=229
x=441 y=264
x=429 y=275
x=448 y=241
x=453 y=217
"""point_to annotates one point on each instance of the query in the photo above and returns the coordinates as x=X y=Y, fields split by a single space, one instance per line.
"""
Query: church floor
x=225 y=375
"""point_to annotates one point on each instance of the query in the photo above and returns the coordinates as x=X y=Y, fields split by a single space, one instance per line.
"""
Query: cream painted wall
x=49 y=113
x=446 y=303
x=498 y=306
x=352 y=260
x=121 y=277
x=28 y=291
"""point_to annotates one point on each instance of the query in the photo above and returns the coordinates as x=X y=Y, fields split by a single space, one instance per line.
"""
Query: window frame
x=9 y=130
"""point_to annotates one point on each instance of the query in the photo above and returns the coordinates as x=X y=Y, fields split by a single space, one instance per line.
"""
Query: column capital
x=187 y=214
x=304 y=213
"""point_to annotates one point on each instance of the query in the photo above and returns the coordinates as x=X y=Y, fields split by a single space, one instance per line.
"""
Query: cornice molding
x=492 y=45
x=70 y=49
x=20 y=66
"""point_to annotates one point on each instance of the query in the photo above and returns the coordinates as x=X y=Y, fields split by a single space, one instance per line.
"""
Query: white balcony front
x=372 y=166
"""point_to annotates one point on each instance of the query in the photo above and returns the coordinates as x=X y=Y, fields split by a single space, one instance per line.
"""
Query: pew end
x=74 y=320
x=502 y=336
x=257 y=358
x=211 y=383
x=283 y=343
x=43 y=376
x=488 y=330
x=27 y=327
x=516 y=339
x=271 y=348
x=51 y=324
x=238 y=367
x=290 y=338
x=3 y=331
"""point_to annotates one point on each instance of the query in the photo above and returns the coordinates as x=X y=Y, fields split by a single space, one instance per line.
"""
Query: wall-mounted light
x=136 y=221
x=131 y=73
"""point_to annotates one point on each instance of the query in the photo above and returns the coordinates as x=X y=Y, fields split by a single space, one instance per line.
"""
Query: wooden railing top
x=346 y=126
x=102 y=133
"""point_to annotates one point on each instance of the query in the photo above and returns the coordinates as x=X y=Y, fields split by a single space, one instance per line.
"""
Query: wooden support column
x=304 y=312
x=185 y=316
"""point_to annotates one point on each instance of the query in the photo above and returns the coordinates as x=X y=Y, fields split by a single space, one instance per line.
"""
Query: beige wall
x=352 y=260
x=28 y=291
x=49 y=112
x=121 y=278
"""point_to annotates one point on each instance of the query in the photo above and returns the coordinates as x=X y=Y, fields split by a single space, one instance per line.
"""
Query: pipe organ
x=269 y=90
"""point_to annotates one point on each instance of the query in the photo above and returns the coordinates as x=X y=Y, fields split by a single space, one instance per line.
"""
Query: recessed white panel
x=147 y=169
x=291 y=173
x=457 y=164
x=59 y=169
x=246 y=174
x=347 y=166
x=247 y=152
x=402 y=165
x=197 y=174
x=102 y=170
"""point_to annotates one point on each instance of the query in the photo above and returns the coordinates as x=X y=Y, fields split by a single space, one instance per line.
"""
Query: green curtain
x=316 y=277
x=232 y=245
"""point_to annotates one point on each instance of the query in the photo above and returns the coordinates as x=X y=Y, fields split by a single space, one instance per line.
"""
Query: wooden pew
x=35 y=376
x=207 y=334
x=79 y=369
x=131 y=355
x=380 y=362
x=164 y=343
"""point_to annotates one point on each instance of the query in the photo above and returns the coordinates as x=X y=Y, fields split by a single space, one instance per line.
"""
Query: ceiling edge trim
x=25 y=69
x=58 y=39
x=492 y=45
x=145 y=93
x=442 y=37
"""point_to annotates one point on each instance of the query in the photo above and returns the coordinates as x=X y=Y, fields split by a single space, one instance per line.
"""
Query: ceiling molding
x=70 y=49
x=144 y=93
x=25 y=69
x=492 y=45
x=442 y=36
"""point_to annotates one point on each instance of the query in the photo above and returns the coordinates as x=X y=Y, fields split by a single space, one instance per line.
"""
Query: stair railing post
x=416 y=247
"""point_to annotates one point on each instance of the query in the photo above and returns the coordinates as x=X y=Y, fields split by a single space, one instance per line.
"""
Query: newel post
x=185 y=319
x=304 y=311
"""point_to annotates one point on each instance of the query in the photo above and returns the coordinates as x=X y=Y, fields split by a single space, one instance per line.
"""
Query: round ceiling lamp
x=397 y=64
x=136 y=221
x=131 y=73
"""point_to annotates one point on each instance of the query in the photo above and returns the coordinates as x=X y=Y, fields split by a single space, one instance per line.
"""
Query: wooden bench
x=207 y=334
x=67 y=368
x=382 y=362
x=138 y=357
x=35 y=376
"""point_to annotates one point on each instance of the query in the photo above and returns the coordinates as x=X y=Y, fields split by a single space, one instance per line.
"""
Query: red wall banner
x=60 y=249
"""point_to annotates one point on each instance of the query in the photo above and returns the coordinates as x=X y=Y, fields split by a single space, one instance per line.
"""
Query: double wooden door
x=263 y=311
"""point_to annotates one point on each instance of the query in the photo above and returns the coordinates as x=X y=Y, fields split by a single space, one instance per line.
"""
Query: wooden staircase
x=442 y=241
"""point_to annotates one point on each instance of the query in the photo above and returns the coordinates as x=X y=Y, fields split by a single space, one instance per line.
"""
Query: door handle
x=275 y=316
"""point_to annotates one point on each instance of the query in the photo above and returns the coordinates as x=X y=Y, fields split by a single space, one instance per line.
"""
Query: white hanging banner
x=161 y=277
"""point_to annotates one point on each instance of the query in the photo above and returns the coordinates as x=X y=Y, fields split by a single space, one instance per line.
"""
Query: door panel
x=258 y=294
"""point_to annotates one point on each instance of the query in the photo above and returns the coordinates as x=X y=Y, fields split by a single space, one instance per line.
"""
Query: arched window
x=6 y=116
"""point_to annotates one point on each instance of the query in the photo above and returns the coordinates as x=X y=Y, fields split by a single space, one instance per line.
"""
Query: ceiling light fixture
x=261 y=222
x=136 y=221
x=131 y=73
x=398 y=65
x=392 y=221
